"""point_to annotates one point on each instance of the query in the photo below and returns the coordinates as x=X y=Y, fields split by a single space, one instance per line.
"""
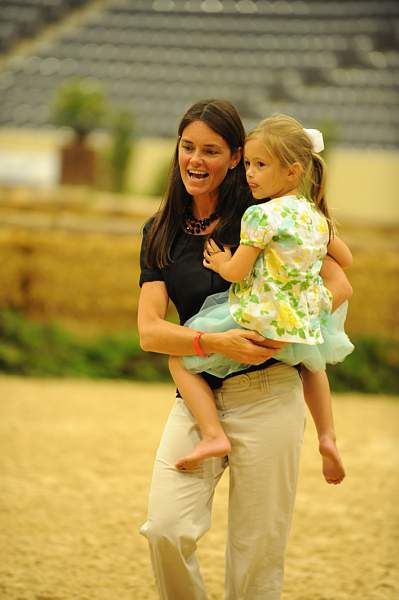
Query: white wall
x=362 y=185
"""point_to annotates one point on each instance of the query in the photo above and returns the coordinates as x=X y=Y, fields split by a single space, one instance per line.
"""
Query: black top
x=188 y=282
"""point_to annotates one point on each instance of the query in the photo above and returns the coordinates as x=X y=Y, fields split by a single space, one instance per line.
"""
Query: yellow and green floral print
x=284 y=298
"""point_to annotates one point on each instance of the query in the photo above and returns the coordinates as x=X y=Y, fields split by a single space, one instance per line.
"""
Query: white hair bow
x=316 y=137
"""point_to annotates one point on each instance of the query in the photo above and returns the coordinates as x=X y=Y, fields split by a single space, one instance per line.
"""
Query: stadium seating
x=22 y=19
x=322 y=61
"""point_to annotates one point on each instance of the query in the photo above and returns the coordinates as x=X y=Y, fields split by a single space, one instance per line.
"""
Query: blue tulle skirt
x=214 y=316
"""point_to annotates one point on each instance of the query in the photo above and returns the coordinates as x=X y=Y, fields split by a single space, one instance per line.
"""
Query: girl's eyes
x=257 y=163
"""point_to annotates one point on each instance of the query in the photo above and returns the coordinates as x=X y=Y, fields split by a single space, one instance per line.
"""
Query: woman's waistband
x=261 y=378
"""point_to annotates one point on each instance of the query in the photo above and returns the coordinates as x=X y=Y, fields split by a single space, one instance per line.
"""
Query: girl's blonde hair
x=285 y=139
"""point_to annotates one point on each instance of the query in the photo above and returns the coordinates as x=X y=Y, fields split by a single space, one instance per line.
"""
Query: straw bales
x=80 y=277
x=81 y=267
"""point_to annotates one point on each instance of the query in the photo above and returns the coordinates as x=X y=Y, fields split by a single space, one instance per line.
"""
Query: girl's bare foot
x=206 y=448
x=333 y=469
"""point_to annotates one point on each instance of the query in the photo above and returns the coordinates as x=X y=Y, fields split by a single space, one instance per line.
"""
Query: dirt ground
x=75 y=463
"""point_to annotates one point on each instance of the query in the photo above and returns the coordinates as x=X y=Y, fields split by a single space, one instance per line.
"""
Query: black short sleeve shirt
x=188 y=282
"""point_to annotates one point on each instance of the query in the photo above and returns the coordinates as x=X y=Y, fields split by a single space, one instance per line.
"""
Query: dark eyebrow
x=188 y=141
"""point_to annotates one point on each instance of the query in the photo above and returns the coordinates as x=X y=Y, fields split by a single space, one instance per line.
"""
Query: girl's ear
x=235 y=158
x=295 y=171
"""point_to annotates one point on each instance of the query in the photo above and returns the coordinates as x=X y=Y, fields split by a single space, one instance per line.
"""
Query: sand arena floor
x=75 y=463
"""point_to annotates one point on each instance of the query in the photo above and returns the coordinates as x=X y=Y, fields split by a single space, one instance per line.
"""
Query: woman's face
x=204 y=159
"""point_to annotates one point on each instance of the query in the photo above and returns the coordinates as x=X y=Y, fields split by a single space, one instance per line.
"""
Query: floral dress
x=283 y=298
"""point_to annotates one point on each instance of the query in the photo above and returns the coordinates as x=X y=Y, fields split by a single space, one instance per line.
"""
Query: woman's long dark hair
x=223 y=119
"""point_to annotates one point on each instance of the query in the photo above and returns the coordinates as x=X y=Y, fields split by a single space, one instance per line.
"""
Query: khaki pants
x=263 y=414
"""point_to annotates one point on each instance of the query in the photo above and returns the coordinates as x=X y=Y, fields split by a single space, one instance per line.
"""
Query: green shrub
x=121 y=149
x=37 y=349
x=161 y=178
x=29 y=348
x=80 y=105
x=372 y=368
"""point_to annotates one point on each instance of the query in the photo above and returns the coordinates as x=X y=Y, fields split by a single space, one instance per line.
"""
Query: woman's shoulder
x=151 y=226
x=148 y=224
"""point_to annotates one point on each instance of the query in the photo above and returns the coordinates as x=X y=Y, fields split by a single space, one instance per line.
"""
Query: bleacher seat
x=22 y=19
x=317 y=60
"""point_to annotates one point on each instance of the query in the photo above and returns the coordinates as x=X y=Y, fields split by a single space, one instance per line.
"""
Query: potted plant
x=81 y=106
x=122 y=134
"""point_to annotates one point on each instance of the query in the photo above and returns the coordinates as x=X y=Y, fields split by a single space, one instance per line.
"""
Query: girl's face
x=266 y=176
x=204 y=159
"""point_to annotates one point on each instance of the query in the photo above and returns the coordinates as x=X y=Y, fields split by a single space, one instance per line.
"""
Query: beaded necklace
x=196 y=226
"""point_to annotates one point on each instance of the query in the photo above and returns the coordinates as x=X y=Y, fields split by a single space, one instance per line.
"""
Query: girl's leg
x=179 y=511
x=200 y=400
x=318 y=398
x=316 y=386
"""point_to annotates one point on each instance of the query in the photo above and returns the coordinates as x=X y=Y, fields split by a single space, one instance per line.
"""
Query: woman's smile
x=196 y=174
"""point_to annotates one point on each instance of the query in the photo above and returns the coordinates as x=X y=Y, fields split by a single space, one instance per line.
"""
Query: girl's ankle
x=327 y=435
x=213 y=435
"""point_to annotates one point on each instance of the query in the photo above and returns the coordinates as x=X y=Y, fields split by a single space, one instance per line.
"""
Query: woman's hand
x=214 y=257
x=241 y=345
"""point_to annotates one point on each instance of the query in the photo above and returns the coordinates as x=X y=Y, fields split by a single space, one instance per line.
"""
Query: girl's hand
x=239 y=344
x=214 y=257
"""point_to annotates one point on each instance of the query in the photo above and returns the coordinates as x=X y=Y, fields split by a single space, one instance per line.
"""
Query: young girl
x=277 y=289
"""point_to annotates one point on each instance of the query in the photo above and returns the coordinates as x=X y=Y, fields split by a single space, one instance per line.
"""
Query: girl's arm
x=158 y=335
x=231 y=268
x=340 y=252
x=336 y=281
x=338 y=257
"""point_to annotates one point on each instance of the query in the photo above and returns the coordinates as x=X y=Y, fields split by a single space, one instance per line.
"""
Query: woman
x=261 y=409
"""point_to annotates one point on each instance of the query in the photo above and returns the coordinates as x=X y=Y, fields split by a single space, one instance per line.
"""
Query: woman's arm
x=231 y=268
x=340 y=252
x=158 y=335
